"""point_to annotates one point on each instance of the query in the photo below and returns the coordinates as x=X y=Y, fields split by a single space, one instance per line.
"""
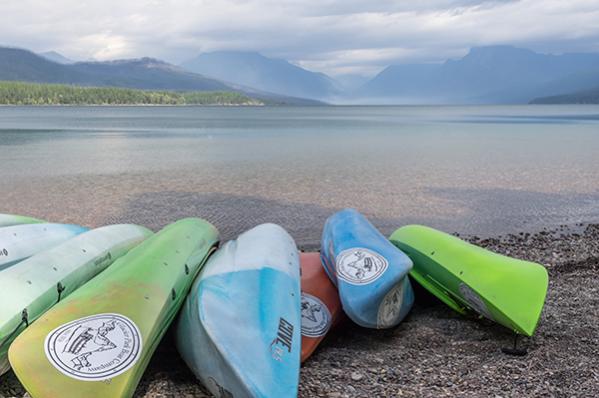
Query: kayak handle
x=24 y=320
x=59 y=288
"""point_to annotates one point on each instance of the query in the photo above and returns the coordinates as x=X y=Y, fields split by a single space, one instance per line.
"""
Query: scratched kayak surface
x=97 y=342
x=239 y=329
x=31 y=287
x=18 y=242
x=371 y=274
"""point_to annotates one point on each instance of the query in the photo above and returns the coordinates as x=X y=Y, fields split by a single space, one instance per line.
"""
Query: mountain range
x=494 y=74
x=145 y=73
x=269 y=74
x=485 y=75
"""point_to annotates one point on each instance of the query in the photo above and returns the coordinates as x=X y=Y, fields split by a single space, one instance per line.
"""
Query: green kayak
x=6 y=220
x=98 y=341
x=466 y=277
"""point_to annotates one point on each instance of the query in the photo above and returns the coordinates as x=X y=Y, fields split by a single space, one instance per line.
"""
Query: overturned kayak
x=31 y=287
x=370 y=273
x=6 y=220
x=98 y=341
x=21 y=241
x=321 y=308
x=239 y=330
x=466 y=277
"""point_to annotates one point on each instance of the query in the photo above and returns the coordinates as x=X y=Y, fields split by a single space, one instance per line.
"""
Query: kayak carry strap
x=515 y=351
x=59 y=289
x=24 y=320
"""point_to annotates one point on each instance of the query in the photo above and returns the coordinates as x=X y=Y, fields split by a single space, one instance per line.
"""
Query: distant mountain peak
x=56 y=57
x=252 y=69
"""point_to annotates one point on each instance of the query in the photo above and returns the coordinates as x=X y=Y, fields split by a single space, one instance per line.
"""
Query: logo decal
x=94 y=348
x=474 y=301
x=316 y=318
x=283 y=340
x=390 y=307
x=360 y=266
x=218 y=390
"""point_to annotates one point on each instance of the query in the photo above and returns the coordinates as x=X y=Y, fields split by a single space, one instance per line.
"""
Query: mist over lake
x=474 y=170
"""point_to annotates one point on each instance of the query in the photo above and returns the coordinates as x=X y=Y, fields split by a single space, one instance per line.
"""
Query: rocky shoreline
x=436 y=352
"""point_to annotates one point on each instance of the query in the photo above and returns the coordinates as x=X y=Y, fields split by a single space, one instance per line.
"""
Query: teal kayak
x=240 y=328
x=18 y=242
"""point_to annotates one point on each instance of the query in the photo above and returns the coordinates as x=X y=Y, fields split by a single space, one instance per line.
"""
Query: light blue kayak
x=240 y=327
x=6 y=220
x=370 y=273
x=31 y=287
x=21 y=241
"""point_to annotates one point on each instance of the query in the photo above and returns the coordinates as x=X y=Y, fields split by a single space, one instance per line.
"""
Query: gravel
x=435 y=352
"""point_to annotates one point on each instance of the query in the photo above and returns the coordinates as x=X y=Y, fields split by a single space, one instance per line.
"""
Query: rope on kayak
x=59 y=289
x=24 y=320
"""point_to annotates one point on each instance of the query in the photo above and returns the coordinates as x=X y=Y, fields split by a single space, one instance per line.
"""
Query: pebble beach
x=435 y=352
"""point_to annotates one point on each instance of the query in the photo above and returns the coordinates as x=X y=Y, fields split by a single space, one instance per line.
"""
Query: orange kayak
x=321 y=307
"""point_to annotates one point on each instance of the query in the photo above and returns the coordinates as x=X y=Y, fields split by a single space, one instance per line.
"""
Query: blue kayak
x=240 y=327
x=370 y=272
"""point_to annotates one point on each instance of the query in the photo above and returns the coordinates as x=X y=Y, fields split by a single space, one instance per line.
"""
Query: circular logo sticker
x=474 y=301
x=316 y=317
x=360 y=266
x=94 y=348
x=390 y=307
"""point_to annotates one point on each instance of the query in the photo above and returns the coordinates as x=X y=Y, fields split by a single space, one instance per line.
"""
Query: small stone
x=357 y=376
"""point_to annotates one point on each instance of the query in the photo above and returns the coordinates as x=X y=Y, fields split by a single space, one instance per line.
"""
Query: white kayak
x=31 y=287
x=21 y=241
x=6 y=220
x=240 y=327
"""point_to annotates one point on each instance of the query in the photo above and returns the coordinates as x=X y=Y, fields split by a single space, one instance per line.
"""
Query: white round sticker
x=390 y=307
x=474 y=301
x=360 y=266
x=94 y=348
x=316 y=317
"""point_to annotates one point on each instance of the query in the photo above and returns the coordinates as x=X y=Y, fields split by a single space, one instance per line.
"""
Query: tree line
x=21 y=93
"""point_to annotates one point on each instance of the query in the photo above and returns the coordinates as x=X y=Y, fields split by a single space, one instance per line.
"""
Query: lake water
x=483 y=170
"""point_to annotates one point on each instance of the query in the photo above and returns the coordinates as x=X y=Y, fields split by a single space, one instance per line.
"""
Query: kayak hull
x=99 y=340
x=19 y=242
x=7 y=220
x=32 y=284
x=321 y=308
x=250 y=283
x=370 y=273
x=466 y=277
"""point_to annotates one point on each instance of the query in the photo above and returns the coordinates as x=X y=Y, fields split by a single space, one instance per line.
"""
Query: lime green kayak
x=6 y=220
x=466 y=277
x=99 y=340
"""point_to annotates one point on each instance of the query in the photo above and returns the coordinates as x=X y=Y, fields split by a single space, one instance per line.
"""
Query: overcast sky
x=332 y=36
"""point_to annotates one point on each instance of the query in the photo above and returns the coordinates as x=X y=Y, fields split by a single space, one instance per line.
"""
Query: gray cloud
x=333 y=36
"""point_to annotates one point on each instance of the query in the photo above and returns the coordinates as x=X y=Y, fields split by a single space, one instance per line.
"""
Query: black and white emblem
x=390 y=308
x=316 y=317
x=94 y=348
x=360 y=266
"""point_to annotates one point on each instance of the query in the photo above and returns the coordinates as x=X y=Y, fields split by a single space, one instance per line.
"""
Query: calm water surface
x=476 y=170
